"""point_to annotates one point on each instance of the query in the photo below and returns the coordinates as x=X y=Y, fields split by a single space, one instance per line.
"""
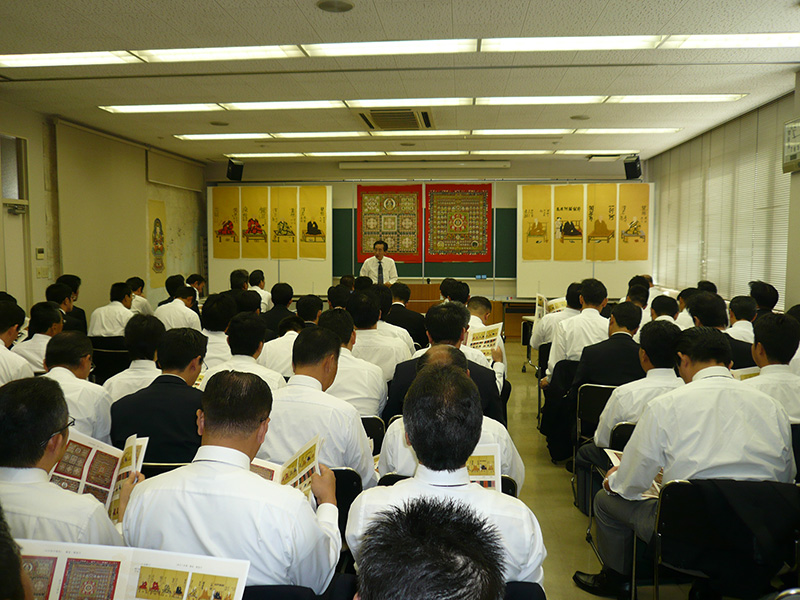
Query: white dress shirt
x=795 y=364
x=712 y=428
x=302 y=410
x=742 y=331
x=397 y=455
x=398 y=332
x=628 y=401
x=684 y=320
x=141 y=306
x=370 y=269
x=573 y=335
x=109 y=320
x=382 y=350
x=176 y=314
x=277 y=354
x=39 y=510
x=89 y=404
x=519 y=530
x=476 y=323
x=245 y=364
x=33 y=350
x=216 y=507
x=266 y=297
x=359 y=383
x=138 y=376
x=217 y=351
x=13 y=366
x=545 y=329
x=781 y=384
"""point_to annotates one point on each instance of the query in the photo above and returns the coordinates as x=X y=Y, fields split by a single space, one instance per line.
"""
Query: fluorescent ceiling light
x=629 y=130
x=266 y=155
x=675 y=98
x=283 y=105
x=194 y=137
x=588 y=42
x=211 y=54
x=67 y=59
x=428 y=153
x=320 y=134
x=420 y=132
x=522 y=131
x=160 y=108
x=501 y=152
x=525 y=100
x=394 y=47
x=324 y=154
x=740 y=40
x=596 y=152
x=407 y=102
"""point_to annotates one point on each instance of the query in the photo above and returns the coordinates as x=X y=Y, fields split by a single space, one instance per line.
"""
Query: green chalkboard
x=504 y=259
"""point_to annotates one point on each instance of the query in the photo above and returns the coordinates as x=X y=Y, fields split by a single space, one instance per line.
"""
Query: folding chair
x=348 y=487
x=541 y=370
x=508 y=485
x=592 y=399
x=796 y=448
x=110 y=356
x=391 y=479
x=393 y=419
x=376 y=430
x=524 y=590
x=527 y=330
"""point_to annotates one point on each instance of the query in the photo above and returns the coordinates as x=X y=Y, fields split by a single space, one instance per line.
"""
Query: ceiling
x=76 y=92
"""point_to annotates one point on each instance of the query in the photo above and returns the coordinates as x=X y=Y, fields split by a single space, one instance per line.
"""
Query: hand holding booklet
x=484 y=339
x=296 y=471
x=655 y=489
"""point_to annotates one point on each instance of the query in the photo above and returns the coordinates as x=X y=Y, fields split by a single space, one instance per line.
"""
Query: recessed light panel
x=169 y=55
x=577 y=43
x=195 y=137
x=67 y=59
x=392 y=48
x=531 y=100
x=160 y=108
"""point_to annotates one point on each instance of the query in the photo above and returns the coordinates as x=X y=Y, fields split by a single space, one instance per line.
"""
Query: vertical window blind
x=723 y=205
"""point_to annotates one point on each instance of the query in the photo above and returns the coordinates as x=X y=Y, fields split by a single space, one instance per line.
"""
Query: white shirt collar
x=26 y=475
x=220 y=454
x=61 y=373
x=243 y=359
x=591 y=312
x=345 y=351
x=117 y=303
x=142 y=364
x=667 y=318
x=442 y=478
x=742 y=324
x=400 y=303
x=305 y=381
x=658 y=373
x=630 y=335
x=775 y=369
x=712 y=372
x=216 y=334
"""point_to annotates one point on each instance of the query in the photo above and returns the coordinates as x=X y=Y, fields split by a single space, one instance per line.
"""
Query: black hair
x=218 y=310
x=308 y=307
x=794 y=312
x=362 y=283
x=431 y=548
x=627 y=315
x=479 y=303
x=291 y=323
x=256 y=277
x=235 y=403
x=709 y=309
x=239 y=278
x=443 y=417
x=593 y=292
x=400 y=291
x=119 y=291
x=313 y=345
x=659 y=340
x=32 y=410
x=67 y=348
x=686 y=294
x=707 y=286
x=744 y=308
x=445 y=322
x=765 y=294
x=6 y=297
x=180 y=346
x=446 y=287
x=574 y=295
x=73 y=281
x=364 y=309
x=173 y=283
x=282 y=294
x=247 y=301
x=57 y=292
x=664 y=305
x=443 y=355
x=384 y=296
x=186 y=291
x=136 y=283
x=780 y=336
x=639 y=295
x=10 y=580
x=339 y=322
x=382 y=243
x=10 y=314
x=338 y=295
x=195 y=278
x=245 y=332
x=460 y=292
x=43 y=316
x=348 y=281
x=639 y=280
x=142 y=335
x=704 y=344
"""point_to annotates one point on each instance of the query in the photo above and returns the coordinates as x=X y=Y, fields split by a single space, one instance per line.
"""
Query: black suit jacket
x=611 y=362
x=75 y=320
x=742 y=355
x=275 y=315
x=411 y=321
x=166 y=412
x=484 y=378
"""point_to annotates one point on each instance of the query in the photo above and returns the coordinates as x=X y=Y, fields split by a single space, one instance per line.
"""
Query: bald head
x=443 y=355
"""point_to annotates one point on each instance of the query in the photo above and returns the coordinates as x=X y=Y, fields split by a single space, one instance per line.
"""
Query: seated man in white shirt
x=246 y=340
x=46 y=321
x=640 y=296
x=218 y=507
x=545 y=329
x=384 y=296
x=397 y=455
x=277 y=353
x=139 y=304
x=218 y=310
x=480 y=310
x=714 y=427
x=142 y=334
x=431 y=548
x=34 y=431
x=178 y=313
x=777 y=338
x=257 y=283
x=371 y=345
x=357 y=381
x=684 y=320
x=110 y=320
x=443 y=418
x=12 y=366
x=742 y=312
x=662 y=308
x=380 y=268
x=303 y=409
x=794 y=312
x=68 y=361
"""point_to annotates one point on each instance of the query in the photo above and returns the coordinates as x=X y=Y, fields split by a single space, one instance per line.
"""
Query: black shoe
x=605 y=583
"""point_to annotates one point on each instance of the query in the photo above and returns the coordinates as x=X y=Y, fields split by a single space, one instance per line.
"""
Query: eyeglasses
x=69 y=424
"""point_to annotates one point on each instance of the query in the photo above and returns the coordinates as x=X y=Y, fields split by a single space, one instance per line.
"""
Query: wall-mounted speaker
x=633 y=167
x=235 y=168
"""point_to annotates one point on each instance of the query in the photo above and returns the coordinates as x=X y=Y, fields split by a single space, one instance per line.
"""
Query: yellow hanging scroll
x=283 y=222
x=157 y=224
x=225 y=222
x=255 y=222
x=634 y=221
x=601 y=221
x=537 y=224
x=313 y=221
x=568 y=222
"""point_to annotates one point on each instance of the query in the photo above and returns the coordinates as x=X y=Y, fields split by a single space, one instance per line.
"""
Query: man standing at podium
x=380 y=268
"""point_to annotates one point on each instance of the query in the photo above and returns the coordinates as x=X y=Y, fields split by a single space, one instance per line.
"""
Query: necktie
x=380 y=273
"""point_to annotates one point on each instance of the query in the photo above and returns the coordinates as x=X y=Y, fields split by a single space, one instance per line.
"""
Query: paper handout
x=484 y=339
x=296 y=471
x=655 y=488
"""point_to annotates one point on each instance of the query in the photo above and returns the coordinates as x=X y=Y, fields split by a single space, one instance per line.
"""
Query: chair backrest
x=391 y=478
x=376 y=429
x=278 y=592
x=620 y=435
x=508 y=485
x=393 y=419
x=793 y=593
x=151 y=469
x=544 y=356
x=109 y=357
x=524 y=590
x=348 y=486
x=592 y=400
x=796 y=448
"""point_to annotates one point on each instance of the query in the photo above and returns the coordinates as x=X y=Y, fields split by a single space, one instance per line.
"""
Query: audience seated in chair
x=76 y=318
x=257 y=283
x=480 y=310
x=384 y=296
x=218 y=310
x=408 y=319
x=46 y=321
x=139 y=304
x=708 y=310
x=309 y=308
x=178 y=312
x=282 y=294
x=277 y=353
x=684 y=320
x=142 y=335
x=110 y=320
x=12 y=366
x=742 y=313
x=765 y=295
x=385 y=351
x=545 y=329
x=172 y=284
